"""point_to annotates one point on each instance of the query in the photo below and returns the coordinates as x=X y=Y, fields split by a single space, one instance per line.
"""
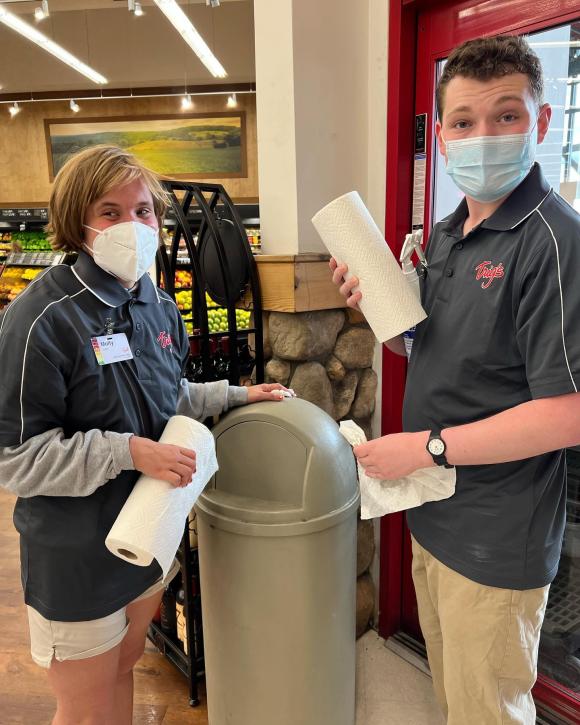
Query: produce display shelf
x=227 y=333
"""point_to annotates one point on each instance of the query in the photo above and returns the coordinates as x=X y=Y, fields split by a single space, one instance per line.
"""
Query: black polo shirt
x=51 y=378
x=503 y=328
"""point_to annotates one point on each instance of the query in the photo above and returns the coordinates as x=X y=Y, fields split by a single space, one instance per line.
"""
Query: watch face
x=436 y=447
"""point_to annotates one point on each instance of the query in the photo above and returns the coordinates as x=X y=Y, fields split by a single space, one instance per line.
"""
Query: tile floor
x=390 y=691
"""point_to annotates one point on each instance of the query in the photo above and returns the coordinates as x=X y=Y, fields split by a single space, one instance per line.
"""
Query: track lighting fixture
x=186 y=102
x=41 y=12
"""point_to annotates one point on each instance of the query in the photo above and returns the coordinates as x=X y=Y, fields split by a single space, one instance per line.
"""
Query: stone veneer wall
x=326 y=358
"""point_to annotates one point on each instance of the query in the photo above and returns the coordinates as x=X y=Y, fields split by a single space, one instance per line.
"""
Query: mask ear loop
x=534 y=128
x=88 y=249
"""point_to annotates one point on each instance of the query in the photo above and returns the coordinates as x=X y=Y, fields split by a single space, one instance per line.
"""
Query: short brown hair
x=486 y=58
x=86 y=177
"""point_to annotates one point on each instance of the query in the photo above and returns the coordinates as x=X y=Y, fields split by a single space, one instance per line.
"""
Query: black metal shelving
x=196 y=212
x=190 y=663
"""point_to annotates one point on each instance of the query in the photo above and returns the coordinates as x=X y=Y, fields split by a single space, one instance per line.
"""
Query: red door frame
x=420 y=33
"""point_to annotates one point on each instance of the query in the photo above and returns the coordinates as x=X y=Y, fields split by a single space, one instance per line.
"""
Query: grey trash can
x=277 y=546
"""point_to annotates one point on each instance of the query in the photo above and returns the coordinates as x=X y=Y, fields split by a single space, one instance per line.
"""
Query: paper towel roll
x=151 y=523
x=351 y=236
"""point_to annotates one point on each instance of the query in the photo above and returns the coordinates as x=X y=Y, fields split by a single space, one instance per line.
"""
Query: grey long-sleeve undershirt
x=51 y=465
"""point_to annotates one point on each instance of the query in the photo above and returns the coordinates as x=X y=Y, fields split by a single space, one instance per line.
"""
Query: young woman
x=80 y=417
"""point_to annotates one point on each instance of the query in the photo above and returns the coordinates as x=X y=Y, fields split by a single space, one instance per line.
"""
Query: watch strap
x=440 y=459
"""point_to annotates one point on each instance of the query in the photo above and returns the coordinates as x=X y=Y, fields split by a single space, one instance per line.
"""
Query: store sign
x=419 y=171
x=34 y=259
x=24 y=214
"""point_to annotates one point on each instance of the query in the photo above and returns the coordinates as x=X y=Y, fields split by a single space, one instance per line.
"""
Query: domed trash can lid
x=281 y=465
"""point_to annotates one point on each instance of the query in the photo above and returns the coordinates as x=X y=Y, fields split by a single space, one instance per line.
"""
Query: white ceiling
x=129 y=51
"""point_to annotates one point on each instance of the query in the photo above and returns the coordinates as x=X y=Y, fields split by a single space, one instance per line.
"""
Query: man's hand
x=169 y=463
x=345 y=288
x=394 y=456
x=397 y=344
x=266 y=391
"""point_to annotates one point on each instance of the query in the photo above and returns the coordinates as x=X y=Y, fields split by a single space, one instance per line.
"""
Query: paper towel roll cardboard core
x=151 y=523
x=351 y=236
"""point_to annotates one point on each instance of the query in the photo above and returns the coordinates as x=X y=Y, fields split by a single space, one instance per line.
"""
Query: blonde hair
x=86 y=177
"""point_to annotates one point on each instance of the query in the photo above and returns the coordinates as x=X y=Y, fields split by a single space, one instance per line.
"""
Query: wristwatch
x=436 y=447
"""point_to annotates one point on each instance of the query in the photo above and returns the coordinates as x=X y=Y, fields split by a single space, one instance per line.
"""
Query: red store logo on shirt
x=164 y=339
x=487 y=272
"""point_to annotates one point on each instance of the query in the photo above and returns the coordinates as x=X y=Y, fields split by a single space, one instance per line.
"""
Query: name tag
x=111 y=348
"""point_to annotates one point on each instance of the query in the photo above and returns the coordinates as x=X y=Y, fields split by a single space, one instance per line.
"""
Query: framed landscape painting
x=200 y=146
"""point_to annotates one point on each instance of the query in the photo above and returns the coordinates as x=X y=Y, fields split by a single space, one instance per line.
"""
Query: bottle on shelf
x=181 y=628
x=168 y=618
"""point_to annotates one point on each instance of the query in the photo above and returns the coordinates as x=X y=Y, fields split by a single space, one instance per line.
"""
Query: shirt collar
x=524 y=200
x=106 y=288
x=453 y=224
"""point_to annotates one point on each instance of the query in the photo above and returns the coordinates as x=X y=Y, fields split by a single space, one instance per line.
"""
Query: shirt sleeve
x=33 y=390
x=49 y=464
x=547 y=317
x=202 y=400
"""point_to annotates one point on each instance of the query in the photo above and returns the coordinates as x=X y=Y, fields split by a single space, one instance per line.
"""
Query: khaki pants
x=482 y=643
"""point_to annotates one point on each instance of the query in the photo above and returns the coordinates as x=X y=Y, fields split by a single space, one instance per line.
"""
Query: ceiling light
x=213 y=3
x=14 y=109
x=232 y=101
x=186 y=102
x=74 y=106
x=30 y=32
x=135 y=7
x=185 y=28
x=41 y=12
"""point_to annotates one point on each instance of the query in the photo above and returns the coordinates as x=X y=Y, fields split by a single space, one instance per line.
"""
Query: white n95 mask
x=126 y=250
x=486 y=168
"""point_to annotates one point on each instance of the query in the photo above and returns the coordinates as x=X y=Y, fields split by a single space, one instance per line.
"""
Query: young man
x=492 y=388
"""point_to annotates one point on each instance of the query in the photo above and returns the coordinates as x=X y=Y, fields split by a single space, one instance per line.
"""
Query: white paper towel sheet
x=385 y=497
x=352 y=237
x=150 y=524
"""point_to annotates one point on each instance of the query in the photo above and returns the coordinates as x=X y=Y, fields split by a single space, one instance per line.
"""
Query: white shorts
x=80 y=640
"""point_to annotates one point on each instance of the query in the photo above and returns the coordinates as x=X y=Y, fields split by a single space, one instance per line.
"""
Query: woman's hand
x=165 y=462
x=345 y=287
x=267 y=391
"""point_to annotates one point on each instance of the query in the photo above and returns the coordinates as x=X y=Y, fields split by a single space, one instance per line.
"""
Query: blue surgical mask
x=486 y=168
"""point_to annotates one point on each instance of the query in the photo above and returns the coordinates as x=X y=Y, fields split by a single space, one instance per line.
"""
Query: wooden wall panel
x=24 y=177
